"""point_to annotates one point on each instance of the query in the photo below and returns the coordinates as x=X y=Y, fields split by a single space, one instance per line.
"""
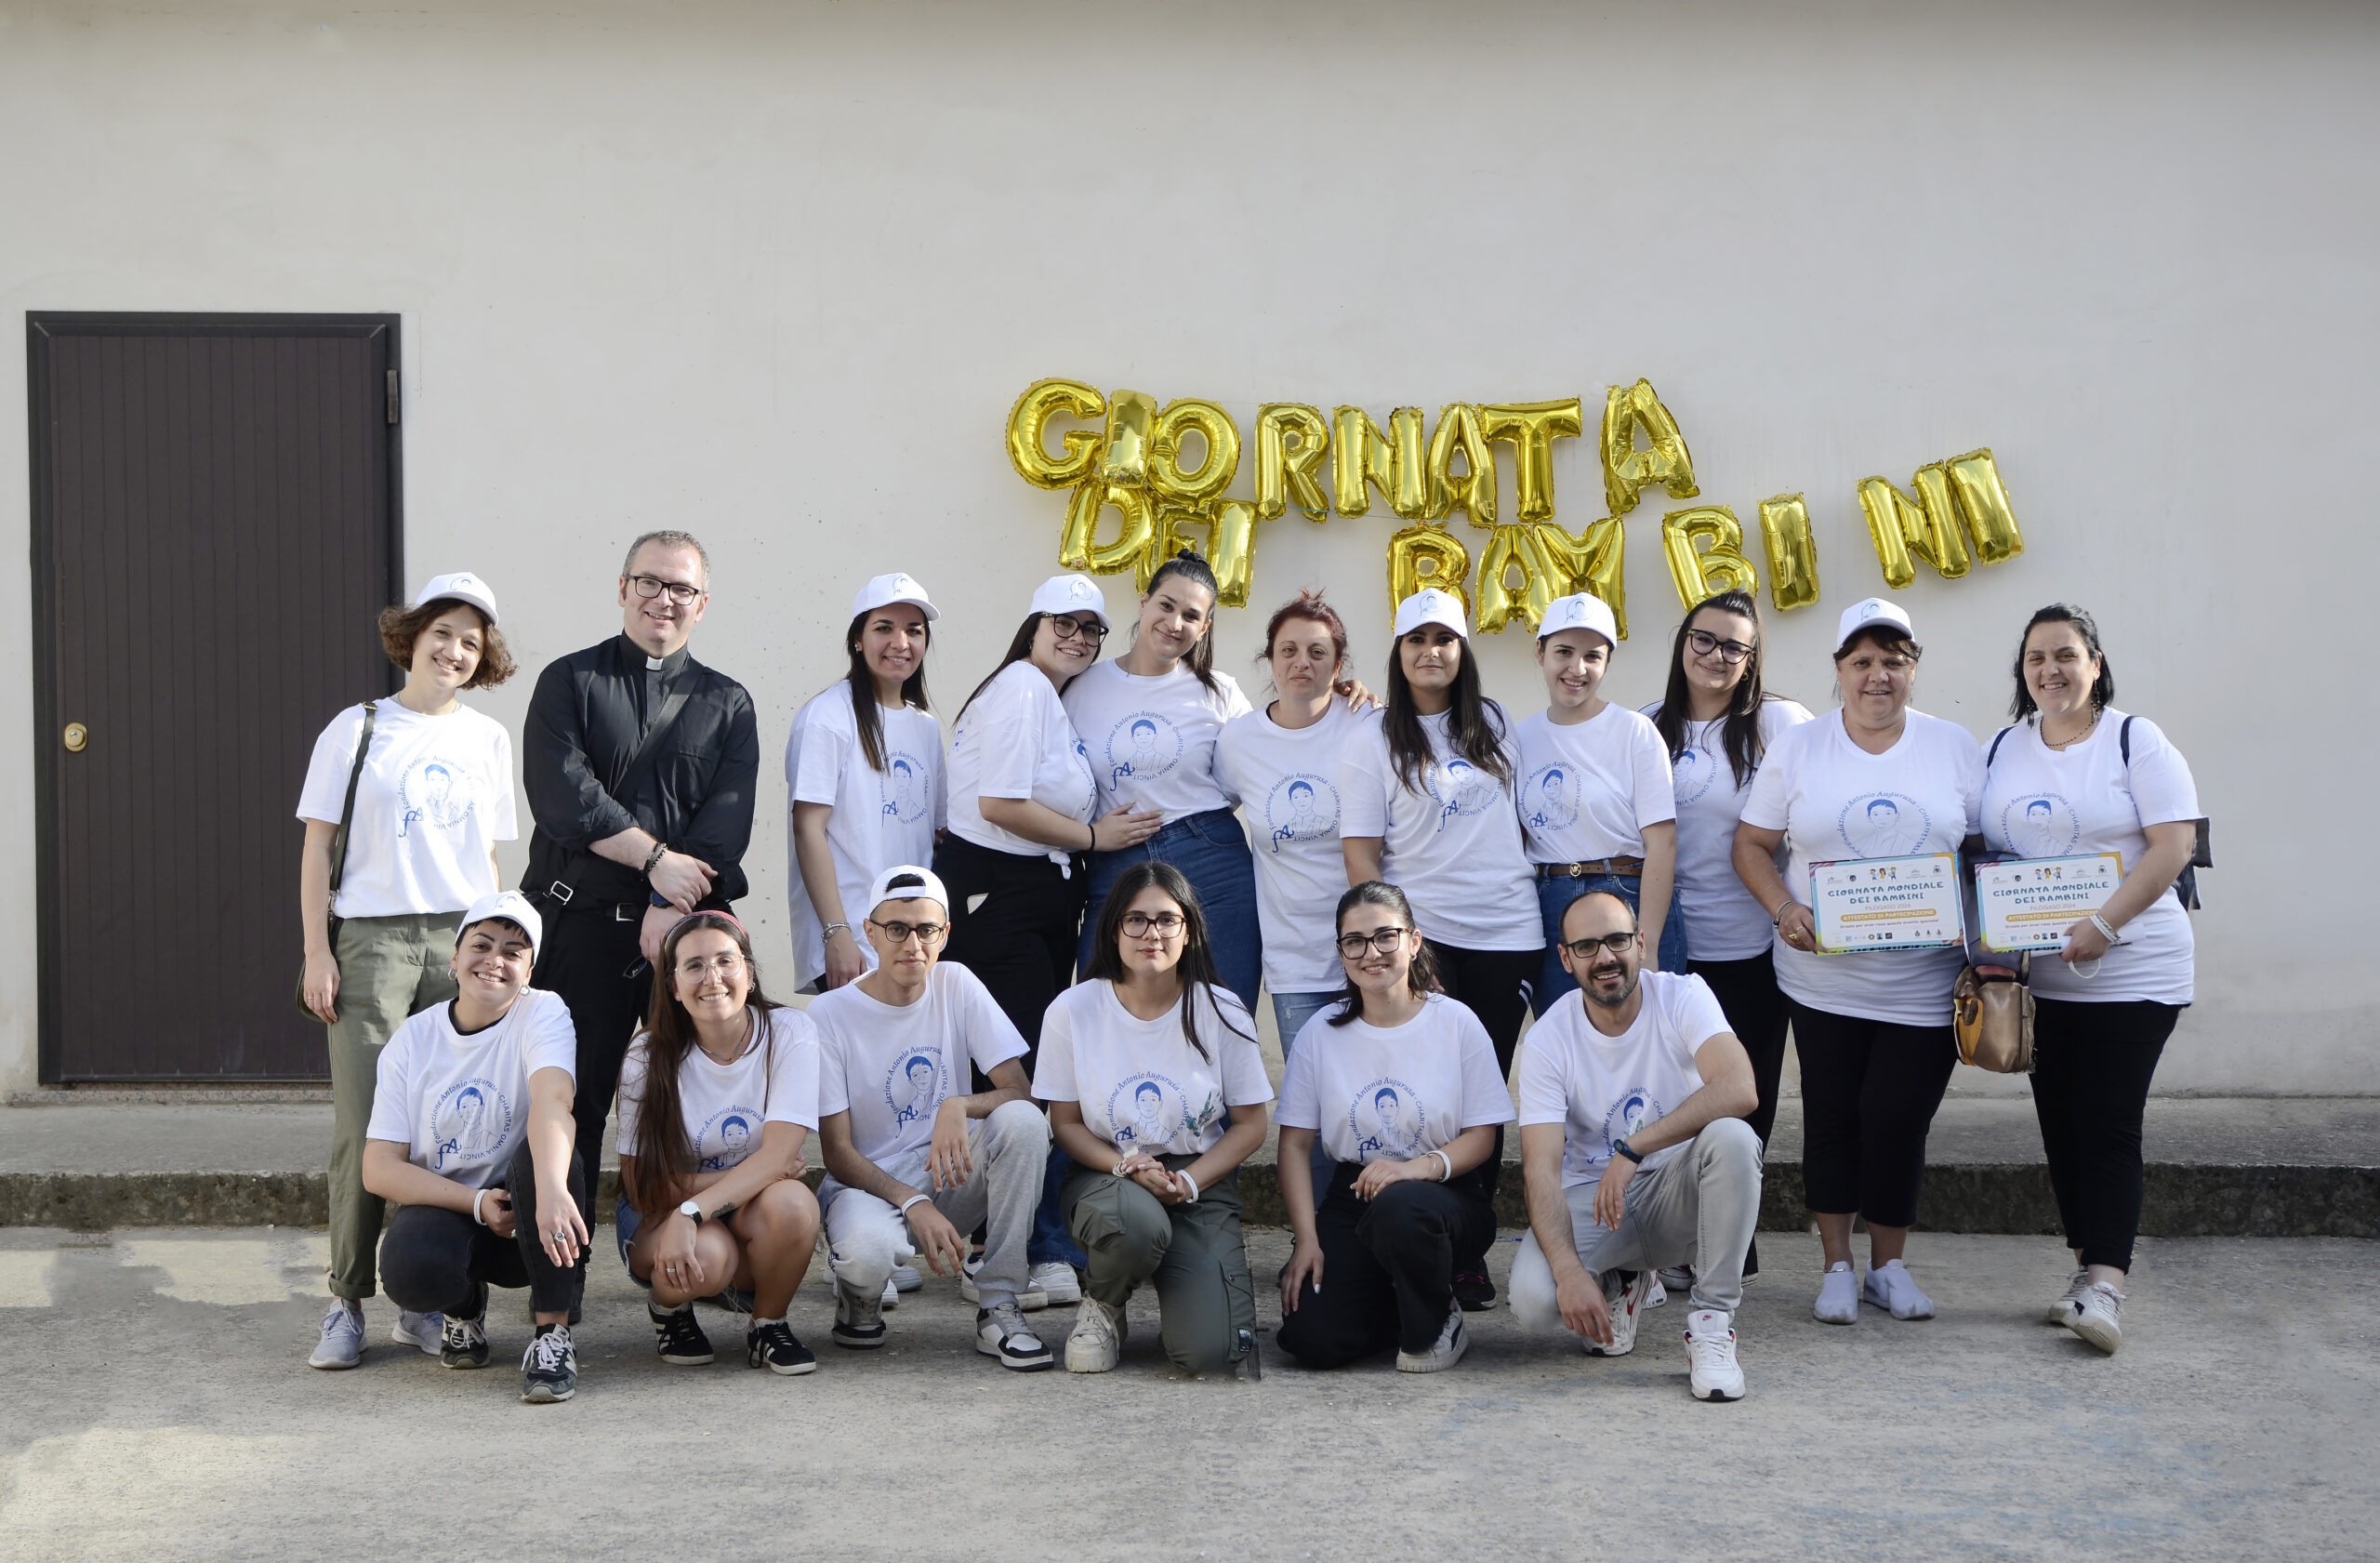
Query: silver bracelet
x=831 y=930
x=2106 y=931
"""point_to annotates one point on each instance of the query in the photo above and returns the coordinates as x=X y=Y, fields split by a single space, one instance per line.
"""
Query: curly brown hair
x=401 y=627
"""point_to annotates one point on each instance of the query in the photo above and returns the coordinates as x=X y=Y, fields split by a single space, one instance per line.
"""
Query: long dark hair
x=1740 y=733
x=2103 y=688
x=1020 y=649
x=1192 y=566
x=1197 y=971
x=663 y=1153
x=1478 y=726
x=1420 y=978
x=867 y=717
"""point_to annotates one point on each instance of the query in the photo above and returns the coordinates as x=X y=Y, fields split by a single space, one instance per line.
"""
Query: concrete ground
x=157 y=1406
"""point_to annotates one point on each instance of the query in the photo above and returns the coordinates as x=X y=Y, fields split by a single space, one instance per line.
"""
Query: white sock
x=763 y=1323
x=681 y=1308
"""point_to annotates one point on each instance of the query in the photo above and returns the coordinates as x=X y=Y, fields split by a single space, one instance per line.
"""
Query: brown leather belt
x=1617 y=868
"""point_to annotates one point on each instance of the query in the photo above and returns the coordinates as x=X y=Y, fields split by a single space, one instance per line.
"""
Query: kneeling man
x=1636 y=1155
x=913 y=1161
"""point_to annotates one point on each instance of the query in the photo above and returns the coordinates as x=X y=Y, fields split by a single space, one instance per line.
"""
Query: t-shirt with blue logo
x=1399 y=1091
x=1604 y=1088
x=1287 y=781
x=877 y=819
x=460 y=1104
x=774 y=1080
x=1140 y=1084
x=1152 y=740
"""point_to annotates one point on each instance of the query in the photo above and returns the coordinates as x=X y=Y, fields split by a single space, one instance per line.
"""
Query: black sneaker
x=772 y=1345
x=462 y=1343
x=1473 y=1291
x=549 y=1367
x=680 y=1338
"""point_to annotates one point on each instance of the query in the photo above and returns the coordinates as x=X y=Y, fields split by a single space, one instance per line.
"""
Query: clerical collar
x=669 y=665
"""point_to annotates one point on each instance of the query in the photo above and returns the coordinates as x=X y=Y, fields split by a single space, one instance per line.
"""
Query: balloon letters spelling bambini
x=1131 y=456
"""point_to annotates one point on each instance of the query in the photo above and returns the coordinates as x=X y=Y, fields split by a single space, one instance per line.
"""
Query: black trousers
x=587 y=958
x=1758 y=1014
x=1869 y=1089
x=1020 y=939
x=1387 y=1268
x=1498 y=985
x=2092 y=1065
x=439 y=1261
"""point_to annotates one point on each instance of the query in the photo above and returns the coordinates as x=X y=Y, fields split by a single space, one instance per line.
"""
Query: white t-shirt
x=1601 y=1088
x=879 y=819
x=1835 y=801
x=1399 y=1092
x=1152 y=740
x=1289 y=783
x=1454 y=847
x=434 y=799
x=1588 y=790
x=1723 y=920
x=890 y=1067
x=1015 y=741
x=2040 y=802
x=461 y=1104
x=724 y=1106
x=1141 y=1085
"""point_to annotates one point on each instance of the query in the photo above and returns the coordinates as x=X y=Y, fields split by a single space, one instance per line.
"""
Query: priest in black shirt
x=639 y=764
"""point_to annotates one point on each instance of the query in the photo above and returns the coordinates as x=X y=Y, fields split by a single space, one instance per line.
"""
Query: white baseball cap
x=511 y=907
x=899 y=587
x=881 y=890
x=1873 y=610
x=1431 y=606
x=1580 y=610
x=463 y=587
x=1075 y=595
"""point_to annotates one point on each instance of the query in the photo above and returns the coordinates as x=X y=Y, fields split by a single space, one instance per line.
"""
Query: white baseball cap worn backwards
x=929 y=889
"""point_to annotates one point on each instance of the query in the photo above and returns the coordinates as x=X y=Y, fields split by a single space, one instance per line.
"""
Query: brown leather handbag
x=1991 y=1011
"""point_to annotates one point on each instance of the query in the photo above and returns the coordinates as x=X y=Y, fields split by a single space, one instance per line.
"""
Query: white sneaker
x=422 y=1332
x=1710 y=1348
x=2096 y=1314
x=1000 y=1332
x=1890 y=1286
x=2063 y=1309
x=1032 y=1299
x=1673 y=1277
x=892 y=1294
x=1627 y=1308
x=1838 y=1295
x=1097 y=1339
x=1660 y=1292
x=1056 y=1283
x=341 y=1344
x=1448 y=1350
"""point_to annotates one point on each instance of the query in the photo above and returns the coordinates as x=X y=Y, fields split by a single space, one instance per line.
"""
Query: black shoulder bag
x=339 y=849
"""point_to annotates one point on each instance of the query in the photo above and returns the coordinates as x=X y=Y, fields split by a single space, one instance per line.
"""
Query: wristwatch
x=692 y=1211
x=1620 y=1147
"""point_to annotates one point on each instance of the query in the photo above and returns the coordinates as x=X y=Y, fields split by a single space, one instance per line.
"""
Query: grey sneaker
x=341 y=1344
x=859 y=1322
x=2063 y=1309
x=549 y=1367
x=420 y=1331
x=1000 y=1332
x=1448 y=1350
x=907 y=1277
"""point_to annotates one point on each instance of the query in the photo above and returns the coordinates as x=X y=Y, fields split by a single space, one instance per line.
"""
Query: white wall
x=777 y=271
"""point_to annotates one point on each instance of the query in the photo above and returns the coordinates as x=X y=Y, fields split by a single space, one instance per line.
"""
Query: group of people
x=1030 y=1058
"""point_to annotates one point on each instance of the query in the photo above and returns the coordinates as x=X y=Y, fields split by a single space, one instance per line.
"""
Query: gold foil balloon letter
x=1925 y=527
x=1079 y=548
x=1792 y=552
x=1595 y=562
x=1705 y=546
x=1124 y=456
x=1983 y=505
x=1426 y=555
x=1533 y=426
x=1291 y=440
x=1215 y=470
x=1516 y=550
x=1626 y=470
x=1472 y=490
x=1364 y=458
x=1027 y=448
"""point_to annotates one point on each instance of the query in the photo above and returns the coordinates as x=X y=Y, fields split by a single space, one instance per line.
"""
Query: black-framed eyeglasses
x=897 y=933
x=1166 y=924
x=1384 y=940
x=650 y=587
x=1704 y=644
x=1065 y=627
x=1582 y=949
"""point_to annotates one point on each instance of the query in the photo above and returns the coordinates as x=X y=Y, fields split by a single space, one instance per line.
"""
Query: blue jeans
x=1212 y=851
x=1553 y=898
x=1290 y=1011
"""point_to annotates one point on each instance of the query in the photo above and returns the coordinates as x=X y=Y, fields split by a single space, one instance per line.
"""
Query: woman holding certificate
x=2075 y=776
x=1889 y=789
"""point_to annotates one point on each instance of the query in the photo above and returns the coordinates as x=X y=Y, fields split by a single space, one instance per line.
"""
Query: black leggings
x=441 y=1261
x=1388 y=1268
x=1757 y=1012
x=2091 y=1064
x=1869 y=1091
x=1498 y=985
x=1019 y=940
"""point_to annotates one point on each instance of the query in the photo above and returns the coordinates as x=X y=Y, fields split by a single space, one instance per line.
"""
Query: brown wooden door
x=215 y=526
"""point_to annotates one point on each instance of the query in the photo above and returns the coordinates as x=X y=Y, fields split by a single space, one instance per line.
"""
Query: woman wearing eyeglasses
x=1023 y=816
x=1158 y=1093
x=1871 y=1027
x=1402 y=1086
x=1717 y=723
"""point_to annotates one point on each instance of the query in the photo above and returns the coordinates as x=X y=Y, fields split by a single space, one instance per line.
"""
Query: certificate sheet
x=2030 y=903
x=1886 y=903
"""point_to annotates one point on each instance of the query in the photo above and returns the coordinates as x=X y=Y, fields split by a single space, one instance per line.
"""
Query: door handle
x=77 y=736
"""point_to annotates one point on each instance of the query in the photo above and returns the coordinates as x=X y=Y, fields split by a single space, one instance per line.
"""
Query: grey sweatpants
x=1195 y=1255
x=1698 y=1208
x=865 y=1236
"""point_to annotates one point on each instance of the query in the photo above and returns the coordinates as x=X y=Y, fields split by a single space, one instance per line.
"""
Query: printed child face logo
x=1301 y=808
x=1141 y=747
x=1459 y=789
x=913 y=1088
x=725 y=1139
x=1387 y=1116
x=1550 y=797
x=1636 y=1108
x=1147 y=1111
x=470 y=1122
x=433 y=792
x=2041 y=825
x=1883 y=824
x=1694 y=771
x=903 y=785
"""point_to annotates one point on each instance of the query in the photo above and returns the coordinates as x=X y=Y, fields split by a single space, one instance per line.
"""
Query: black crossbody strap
x=346 y=809
x=639 y=765
x=1993 y=753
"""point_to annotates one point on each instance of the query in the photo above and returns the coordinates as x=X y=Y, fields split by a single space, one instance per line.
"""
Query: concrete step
x=2216 y=1166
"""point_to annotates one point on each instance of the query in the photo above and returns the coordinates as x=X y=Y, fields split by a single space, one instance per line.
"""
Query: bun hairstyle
x=2103 y=688
x=1192 y=566
x=1740 y=732
x=867 y=717
x=1421 y=977
x=1198 y=968
x=1306 y=605
x=664 y=1154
